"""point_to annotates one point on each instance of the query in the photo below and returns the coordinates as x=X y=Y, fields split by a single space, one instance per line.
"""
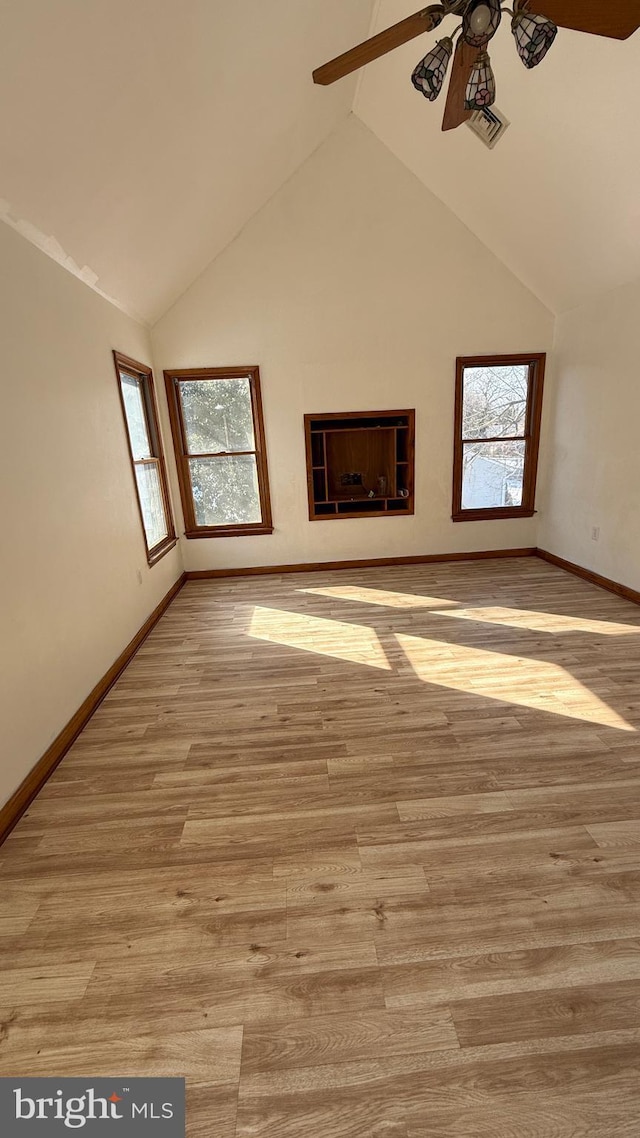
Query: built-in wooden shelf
x=360 y=464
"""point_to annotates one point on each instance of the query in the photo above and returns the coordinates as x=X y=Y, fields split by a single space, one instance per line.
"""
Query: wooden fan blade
x=463 y=61
x=616 y=19
x=424 y=21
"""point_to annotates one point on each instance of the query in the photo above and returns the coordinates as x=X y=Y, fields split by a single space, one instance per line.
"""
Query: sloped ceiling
x=138 y=136
x=558 y=200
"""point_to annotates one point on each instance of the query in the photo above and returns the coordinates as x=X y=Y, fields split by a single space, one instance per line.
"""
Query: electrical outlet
x=595 y=533
x=139 y=576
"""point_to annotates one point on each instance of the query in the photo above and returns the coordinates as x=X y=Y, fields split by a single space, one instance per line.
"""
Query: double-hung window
x=218 y=434
x=497 y=434
x=135 y=384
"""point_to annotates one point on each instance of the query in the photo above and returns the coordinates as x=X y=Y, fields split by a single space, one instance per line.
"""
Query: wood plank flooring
x=357 y=853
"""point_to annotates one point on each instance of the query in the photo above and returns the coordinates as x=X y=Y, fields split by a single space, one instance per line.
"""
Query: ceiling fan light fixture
x=481 y=22
x=481 y=88
x=428 y=77
x=534 y=36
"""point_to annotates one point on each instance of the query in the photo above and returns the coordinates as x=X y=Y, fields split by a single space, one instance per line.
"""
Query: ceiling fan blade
x=616 y=19
x=463 y=61
x=423 y=21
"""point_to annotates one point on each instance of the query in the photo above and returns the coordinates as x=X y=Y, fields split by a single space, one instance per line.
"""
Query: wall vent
x=489 y=125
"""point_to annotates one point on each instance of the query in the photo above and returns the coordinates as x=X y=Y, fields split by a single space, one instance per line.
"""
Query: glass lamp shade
x=534 y=36
x=481 y=22
x=481 y=88
x=429 y=75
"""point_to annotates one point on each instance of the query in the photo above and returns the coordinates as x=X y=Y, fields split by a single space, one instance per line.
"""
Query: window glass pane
x=152 y=503
x=225 y=490
x=495 y=401
x=217 y=415
x=492 y=475
x=136 y=419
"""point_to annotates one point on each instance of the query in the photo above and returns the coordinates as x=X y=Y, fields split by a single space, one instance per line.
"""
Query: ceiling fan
x=472 y=84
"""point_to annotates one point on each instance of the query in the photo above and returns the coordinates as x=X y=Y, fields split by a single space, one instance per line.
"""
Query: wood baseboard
x=594 y=578
x=13 y=810
x=370 y=563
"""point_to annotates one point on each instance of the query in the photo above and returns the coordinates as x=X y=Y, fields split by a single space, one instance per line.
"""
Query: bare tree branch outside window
x=494 y=407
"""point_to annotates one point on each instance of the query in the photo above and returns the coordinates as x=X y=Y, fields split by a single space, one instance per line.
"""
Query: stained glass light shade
x=534 y=36
x=481 y=88
x=429 y=75
x=481 y=22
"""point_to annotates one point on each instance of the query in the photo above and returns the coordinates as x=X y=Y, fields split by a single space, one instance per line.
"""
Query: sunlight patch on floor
x=517 y=680
x=540 y=621
x=354 y=642
x=383 y=597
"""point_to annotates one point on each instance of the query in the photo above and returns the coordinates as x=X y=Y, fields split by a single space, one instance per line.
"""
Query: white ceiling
x=558 y=200
x=139 y=136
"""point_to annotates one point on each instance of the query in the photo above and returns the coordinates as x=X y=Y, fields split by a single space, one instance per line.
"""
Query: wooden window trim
x=192 y=529
x=536 y=362
x=125 y=364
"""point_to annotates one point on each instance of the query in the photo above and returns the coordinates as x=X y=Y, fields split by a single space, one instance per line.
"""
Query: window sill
x=492 y=515
x=156 y=554
x=226 y=531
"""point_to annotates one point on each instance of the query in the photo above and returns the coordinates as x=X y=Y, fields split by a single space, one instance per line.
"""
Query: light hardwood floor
x=358 y=853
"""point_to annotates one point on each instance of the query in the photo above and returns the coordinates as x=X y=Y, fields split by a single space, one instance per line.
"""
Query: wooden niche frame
x=192 y=529
x=531 y=437
x=374 y=448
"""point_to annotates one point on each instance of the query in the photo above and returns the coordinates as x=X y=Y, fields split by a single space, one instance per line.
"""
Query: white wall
x=354 y=289
x=72 y=541
x=593 y=456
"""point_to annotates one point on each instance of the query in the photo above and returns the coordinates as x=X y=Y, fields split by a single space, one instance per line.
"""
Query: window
x=135 y=383
x=218 y=434
x=497 y=435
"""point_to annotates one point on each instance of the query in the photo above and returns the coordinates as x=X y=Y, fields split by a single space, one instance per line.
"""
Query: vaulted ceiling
x=558 y=199
x=138 y=137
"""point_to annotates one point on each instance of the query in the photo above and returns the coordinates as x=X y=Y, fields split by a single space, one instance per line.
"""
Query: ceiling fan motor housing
x=481 y=22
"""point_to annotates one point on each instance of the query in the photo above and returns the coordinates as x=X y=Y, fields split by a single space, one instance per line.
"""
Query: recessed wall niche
x=360 y=464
